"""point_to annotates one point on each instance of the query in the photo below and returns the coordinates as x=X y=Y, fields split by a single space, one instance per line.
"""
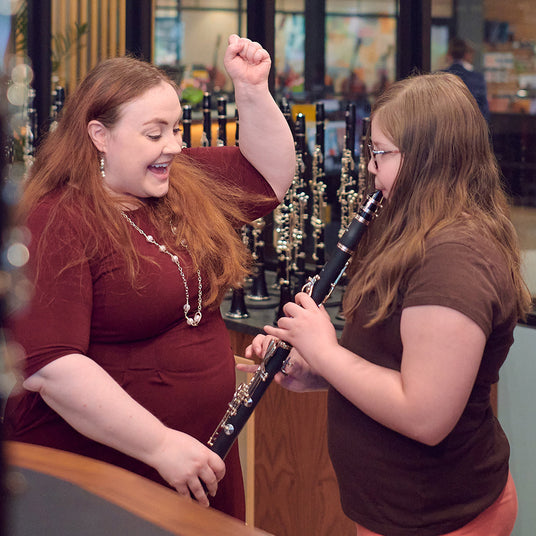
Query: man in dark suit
x=461 y=55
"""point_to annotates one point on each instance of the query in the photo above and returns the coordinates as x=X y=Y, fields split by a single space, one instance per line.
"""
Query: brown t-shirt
x=183 y=375
x=394 y=485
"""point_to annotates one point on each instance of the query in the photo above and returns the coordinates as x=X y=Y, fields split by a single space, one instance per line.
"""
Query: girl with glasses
x=434 y=296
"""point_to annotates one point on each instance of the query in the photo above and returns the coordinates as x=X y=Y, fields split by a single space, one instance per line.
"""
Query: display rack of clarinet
x=293 y=243
x=295 y=240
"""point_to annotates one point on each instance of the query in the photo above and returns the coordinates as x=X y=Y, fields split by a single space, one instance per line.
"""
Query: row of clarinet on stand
x=298 y=224
x=295 y=234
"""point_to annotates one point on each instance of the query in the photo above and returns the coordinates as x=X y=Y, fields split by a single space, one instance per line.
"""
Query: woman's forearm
x=88 y=398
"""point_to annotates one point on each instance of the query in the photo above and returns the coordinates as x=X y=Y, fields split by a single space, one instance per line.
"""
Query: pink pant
x=497 y=520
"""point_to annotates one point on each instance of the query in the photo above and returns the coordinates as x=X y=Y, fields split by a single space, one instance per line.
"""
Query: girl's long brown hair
x=448 y=174
x=203 y=211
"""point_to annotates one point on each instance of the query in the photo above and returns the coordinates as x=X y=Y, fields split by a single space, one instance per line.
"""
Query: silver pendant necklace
x=197 y=316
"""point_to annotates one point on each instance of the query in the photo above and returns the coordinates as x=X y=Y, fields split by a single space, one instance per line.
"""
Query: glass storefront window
x=190 y=40
x=504 y=43
x=360 y=47
x=360 y=54
x=289 y=50
x=362 y=7
x=509 y=65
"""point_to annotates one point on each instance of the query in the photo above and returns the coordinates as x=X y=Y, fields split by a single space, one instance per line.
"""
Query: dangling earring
x=102 y=166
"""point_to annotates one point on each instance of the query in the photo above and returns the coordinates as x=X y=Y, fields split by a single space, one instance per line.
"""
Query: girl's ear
x=98 y=134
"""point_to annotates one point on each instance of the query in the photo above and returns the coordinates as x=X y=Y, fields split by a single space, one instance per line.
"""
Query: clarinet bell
x=258 y=290
x=238 y=307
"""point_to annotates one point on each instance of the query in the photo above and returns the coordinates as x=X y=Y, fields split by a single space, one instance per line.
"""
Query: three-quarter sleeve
x=57 y=317
x=230 y=166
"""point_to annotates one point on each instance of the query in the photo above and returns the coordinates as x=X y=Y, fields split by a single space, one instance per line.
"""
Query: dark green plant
x=20 y=28
x=62 y=44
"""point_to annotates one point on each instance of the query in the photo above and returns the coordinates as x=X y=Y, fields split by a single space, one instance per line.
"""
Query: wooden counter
x=56 y=493
x=293 y=490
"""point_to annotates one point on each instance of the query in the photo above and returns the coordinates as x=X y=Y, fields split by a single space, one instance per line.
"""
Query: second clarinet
x=319 y=288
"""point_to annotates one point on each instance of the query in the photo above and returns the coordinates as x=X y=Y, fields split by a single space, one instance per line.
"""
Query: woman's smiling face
x=139 y=148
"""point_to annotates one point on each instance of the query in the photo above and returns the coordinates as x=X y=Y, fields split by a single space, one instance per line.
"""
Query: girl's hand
x=297 y=376
x=308 y=328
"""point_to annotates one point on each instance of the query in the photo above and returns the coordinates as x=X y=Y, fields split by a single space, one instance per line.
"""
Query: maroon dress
x=183 y=375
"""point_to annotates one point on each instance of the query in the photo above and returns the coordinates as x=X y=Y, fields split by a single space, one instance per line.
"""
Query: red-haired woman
x=133 y=246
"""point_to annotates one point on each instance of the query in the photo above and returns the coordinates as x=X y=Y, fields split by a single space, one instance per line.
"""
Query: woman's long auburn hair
x=204 y=212
x=448 y=174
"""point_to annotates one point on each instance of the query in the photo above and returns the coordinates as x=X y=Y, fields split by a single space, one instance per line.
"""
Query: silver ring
x=286 y=365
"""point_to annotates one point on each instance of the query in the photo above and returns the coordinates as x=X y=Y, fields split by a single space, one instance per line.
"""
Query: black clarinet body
x=222 y=121
x=347 y=188
x=319 y=288
x=206 y=137
x=300 y=201
x=363 y=159
x=238 y=308
x=187 y=126
x=318 y=189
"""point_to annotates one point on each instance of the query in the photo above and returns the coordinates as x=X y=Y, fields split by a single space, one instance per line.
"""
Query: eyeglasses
x=374 y=153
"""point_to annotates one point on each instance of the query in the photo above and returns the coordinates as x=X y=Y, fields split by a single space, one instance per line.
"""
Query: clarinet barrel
x=319 y=287
x=238 y=307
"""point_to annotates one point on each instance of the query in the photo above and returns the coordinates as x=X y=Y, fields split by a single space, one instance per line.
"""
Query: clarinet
x=346 y=192
x=206 y=137
x=300 y=201
x=363 y=160
x=283 y=219
x=30 y=134
x=187 y=126
x=222 y=121
x=58 y=100
x=319 y=287
x=349 y=198
x=318 y=189
x=238 y=307
x=356 y=197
